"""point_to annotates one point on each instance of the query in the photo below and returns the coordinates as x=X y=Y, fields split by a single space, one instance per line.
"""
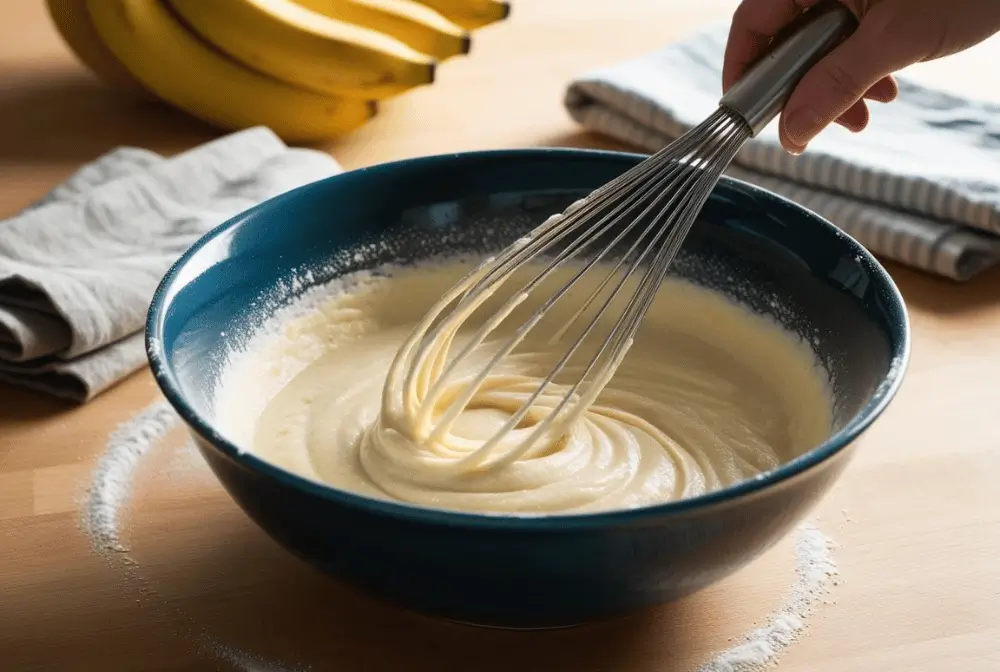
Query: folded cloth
x=78 y=268
x=920 y=186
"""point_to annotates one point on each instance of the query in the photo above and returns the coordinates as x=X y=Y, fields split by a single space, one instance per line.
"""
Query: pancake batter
x=708 y=395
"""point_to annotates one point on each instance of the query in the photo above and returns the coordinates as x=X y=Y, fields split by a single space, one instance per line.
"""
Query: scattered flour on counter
x=815 y=571
x=111 y=481
x=111 y=491
x=243 y=661
x=109 y=494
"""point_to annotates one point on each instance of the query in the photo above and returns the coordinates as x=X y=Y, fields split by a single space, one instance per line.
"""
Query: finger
x=856 y=118
x=755 y=22
x=884 y=90
x=841 y=79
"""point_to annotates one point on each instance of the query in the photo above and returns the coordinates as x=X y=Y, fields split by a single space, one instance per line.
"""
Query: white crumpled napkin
x=920 y=186
x=78 y=268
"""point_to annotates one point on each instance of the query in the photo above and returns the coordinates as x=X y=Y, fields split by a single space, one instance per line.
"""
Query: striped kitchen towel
x=920 y=186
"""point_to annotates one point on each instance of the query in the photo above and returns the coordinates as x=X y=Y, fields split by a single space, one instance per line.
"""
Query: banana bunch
x=308 y=69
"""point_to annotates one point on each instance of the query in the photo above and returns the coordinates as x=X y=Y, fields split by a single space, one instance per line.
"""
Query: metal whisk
x=637 y=221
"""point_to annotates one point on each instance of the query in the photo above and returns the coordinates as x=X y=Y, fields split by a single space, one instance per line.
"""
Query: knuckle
x=843 y=82
x=891 y=35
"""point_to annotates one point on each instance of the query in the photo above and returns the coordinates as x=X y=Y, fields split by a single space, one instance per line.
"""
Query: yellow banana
x=77 y=30
x=174 y=64
x=299 y=46
x=470 y=14
x=411 y=23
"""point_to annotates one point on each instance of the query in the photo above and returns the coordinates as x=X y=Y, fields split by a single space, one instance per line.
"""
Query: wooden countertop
x=917 y=515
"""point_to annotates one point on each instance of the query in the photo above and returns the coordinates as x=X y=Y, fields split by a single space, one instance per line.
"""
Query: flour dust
x=110 y=493
x=815 y=572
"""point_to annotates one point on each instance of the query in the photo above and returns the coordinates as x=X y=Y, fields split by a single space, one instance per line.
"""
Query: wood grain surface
x=916 y=517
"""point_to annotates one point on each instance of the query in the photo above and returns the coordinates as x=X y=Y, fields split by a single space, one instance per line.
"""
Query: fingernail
x=792 y=148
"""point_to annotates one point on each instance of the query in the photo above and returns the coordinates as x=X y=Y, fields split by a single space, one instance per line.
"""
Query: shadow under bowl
x=761 y=250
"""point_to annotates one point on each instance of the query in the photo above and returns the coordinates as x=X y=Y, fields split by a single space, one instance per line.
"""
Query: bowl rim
x=163 y=374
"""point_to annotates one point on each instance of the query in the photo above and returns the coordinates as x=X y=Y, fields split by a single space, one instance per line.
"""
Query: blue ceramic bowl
x=760 y=249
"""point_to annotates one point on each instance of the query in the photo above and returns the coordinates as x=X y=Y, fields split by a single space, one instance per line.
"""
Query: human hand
x=892 y=34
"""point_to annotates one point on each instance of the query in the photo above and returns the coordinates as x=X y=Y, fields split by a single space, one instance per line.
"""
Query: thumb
x=840 y=80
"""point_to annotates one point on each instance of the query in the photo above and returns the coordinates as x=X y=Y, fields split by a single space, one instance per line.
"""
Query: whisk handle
x=764 y=89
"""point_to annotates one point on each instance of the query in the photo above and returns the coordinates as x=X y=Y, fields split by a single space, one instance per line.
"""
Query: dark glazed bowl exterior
x=508 y=571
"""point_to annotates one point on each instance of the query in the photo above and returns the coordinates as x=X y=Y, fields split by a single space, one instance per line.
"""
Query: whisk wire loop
x=694 y=188
x=550 y=233
x=655 y=203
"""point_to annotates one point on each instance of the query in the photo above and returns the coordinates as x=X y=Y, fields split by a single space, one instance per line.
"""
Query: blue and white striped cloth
x=920 y=186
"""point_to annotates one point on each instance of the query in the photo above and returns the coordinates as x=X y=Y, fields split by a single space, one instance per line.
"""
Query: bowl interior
x=762 y=251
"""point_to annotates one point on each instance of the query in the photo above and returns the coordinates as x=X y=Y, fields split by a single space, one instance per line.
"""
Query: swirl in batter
x=708 y=395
